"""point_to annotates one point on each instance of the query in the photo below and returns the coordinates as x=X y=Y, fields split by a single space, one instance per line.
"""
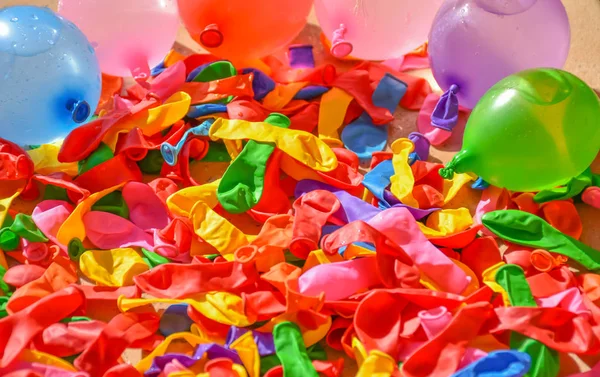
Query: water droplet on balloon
x=14 y=19
x=34 y=17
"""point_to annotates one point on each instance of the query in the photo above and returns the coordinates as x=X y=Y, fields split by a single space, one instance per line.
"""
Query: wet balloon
x=50 y=80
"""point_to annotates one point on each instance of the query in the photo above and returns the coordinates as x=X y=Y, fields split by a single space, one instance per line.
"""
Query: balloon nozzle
x=459 y=164
x=445 y=114
x=340 y=47
x=80 y=110
x=447 y=172
x=211 y=36
x=169 y=153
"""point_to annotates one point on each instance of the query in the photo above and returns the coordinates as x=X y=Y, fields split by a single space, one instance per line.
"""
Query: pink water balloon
x=473 y=44
x=375 y=29
x=129 y=36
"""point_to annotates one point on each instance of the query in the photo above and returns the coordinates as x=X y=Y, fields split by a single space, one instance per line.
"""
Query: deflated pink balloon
x=128 y=36
x=146 y=210
x=49 y=216
x=375 y=29
x=569 y=299
x=340 y=280
x=108 y=231
x=400 y=226
x=434 y=320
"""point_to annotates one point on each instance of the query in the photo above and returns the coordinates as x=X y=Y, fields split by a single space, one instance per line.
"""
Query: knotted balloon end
x=211 y=36
x=459 y=164
x=340 y=47
x=140 y=71
x=445 y=114
x=80 y=110
x=447 y=172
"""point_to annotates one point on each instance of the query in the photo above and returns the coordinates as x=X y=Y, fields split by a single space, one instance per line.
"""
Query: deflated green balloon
x=545 y=361
x=291 y=351
x=531 y=131
x=523 y=228
x=242 y=185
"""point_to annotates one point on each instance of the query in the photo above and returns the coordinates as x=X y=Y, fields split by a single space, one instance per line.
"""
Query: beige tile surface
x=584 y=61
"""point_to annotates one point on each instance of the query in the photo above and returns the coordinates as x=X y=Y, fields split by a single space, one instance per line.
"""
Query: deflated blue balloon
x=50 y=81
x=175 y=319
x=498 y=364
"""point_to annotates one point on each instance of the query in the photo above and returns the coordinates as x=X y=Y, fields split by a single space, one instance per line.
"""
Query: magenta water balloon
x=476 y=43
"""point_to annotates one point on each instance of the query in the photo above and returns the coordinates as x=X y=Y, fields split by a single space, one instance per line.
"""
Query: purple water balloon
x=476 y=43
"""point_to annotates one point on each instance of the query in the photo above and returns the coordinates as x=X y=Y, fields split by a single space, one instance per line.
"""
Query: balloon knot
x=340 y=47
x=445 y=114
x=447 y=172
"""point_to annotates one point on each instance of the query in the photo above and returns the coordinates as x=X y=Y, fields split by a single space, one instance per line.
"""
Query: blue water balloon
x=50 y=81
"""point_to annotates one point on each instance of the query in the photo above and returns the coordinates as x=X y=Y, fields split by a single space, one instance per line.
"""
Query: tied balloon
x=375 y=30
x=472 y=46
x=242 y=31
x=132 y=44
x=43 y=97
x=521 y=137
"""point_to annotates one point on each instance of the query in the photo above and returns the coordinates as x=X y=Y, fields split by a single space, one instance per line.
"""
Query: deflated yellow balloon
x=112 y=268
x=154 y=120
x=403 y=180
x=223 y=307
x=73 y=226
x=300 y=145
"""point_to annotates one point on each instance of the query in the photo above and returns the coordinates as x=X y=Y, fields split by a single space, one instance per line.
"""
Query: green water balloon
x=533 y=130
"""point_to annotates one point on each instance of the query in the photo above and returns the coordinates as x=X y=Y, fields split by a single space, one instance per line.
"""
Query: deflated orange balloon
x=243 y=30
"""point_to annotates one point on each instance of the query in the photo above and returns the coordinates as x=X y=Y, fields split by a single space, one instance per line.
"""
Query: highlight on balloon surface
x=244 y=30
x=532 y=131
x=50 y=81
x=375 y=29
x=473 y=44
x=129 y=37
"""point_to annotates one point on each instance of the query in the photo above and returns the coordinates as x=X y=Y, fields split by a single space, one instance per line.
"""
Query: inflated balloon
x=375 y=29
x=129 y=36
x=532 y=131
x=243 y=30
x=475 y=43
x=49 y=76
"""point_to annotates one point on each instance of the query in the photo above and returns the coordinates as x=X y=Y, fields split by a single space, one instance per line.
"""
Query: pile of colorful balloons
x=219 y=219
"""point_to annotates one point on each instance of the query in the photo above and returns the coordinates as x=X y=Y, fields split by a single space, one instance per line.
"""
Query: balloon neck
x=80 y=110
x=455 y=166
x=340 y=47
x=445 y=114
x=211 y=36
x=170 y=152
x=141 y=73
